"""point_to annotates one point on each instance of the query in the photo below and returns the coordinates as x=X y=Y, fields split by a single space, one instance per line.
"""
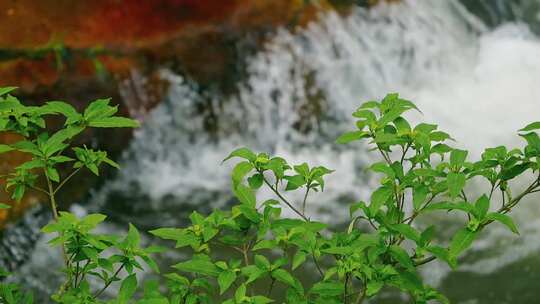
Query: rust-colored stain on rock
x=29 y=23
x=131 y=31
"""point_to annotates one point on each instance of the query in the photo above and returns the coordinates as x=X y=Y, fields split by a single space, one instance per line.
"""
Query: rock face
x=59 y=40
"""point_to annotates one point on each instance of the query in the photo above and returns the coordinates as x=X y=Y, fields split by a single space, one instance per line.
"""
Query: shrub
x=381 y=247
x=85 y=254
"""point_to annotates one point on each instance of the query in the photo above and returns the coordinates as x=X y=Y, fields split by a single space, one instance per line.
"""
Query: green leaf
x=298 y=259
x=407 y=231
x=328 y=289
x=400 y=255
x=225 y=280
x=253 y=273
x=240 y=294
x=250 y=213
x=425 y=128
x=240 y=171
x=285 y=277
x=533 y=140
x=127 y=289
x=461 y=241
x=366 y=114
x=63 y=108
x=114 y=122
x=167 y=233
x=265 y=244
x=442 y=254
x=256 y=181
x=210 y=232
x=242 y=153
x=531 y=126
x=294 y=182
x=18 y=193
x=199 y=265
x=510 y=173
x=439 y=136
x=302 y=169
x=379 y=198
x=402 y=126
x=383 y=167
x=441 y=149
x=370 y=105
x=182 y=237
x=457 y=158
x=5 y=90
x=456 y=182
x=262 y=262
x=277 y=165
x=133 y=238
x=34 y=163
x=5 y=148
x=351 y=136
x=390 y=116
x=111 y=163
x=61 y=159
x=463 y=206
x=373 y=287
x=419 y=196
x=503 y=219
x=99 y=108
x=427 y=235
x=52 y=173
x=92 y=220
x=56 y=142
x=481 y=207
x=339 y=250
x=4 y=206
x=245 y=195
x=26 y=146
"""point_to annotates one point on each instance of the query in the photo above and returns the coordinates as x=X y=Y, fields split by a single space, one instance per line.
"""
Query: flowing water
x=479 y=83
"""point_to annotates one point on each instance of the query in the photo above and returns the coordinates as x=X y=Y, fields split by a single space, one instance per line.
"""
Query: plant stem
x=505 y=209
x=39 y=189
x=83 y=273
x=109 y=281
x=319 y=269
x=271 y=287
x=66 y=180
x=361 y=295
x=244 y=253
x=305 y=200
x=55 y=216
x=275 y=190
x=345 y=287
x=285 y=200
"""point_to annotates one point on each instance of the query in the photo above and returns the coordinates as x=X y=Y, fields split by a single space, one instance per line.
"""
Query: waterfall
x=480 y=84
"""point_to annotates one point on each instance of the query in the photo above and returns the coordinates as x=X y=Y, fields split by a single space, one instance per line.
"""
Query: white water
x=480 y=85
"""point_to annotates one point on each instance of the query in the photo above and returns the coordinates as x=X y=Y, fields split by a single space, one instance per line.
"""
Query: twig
x=109 y=281
x=285 y=200
x=66 y=180
x=305 y=200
